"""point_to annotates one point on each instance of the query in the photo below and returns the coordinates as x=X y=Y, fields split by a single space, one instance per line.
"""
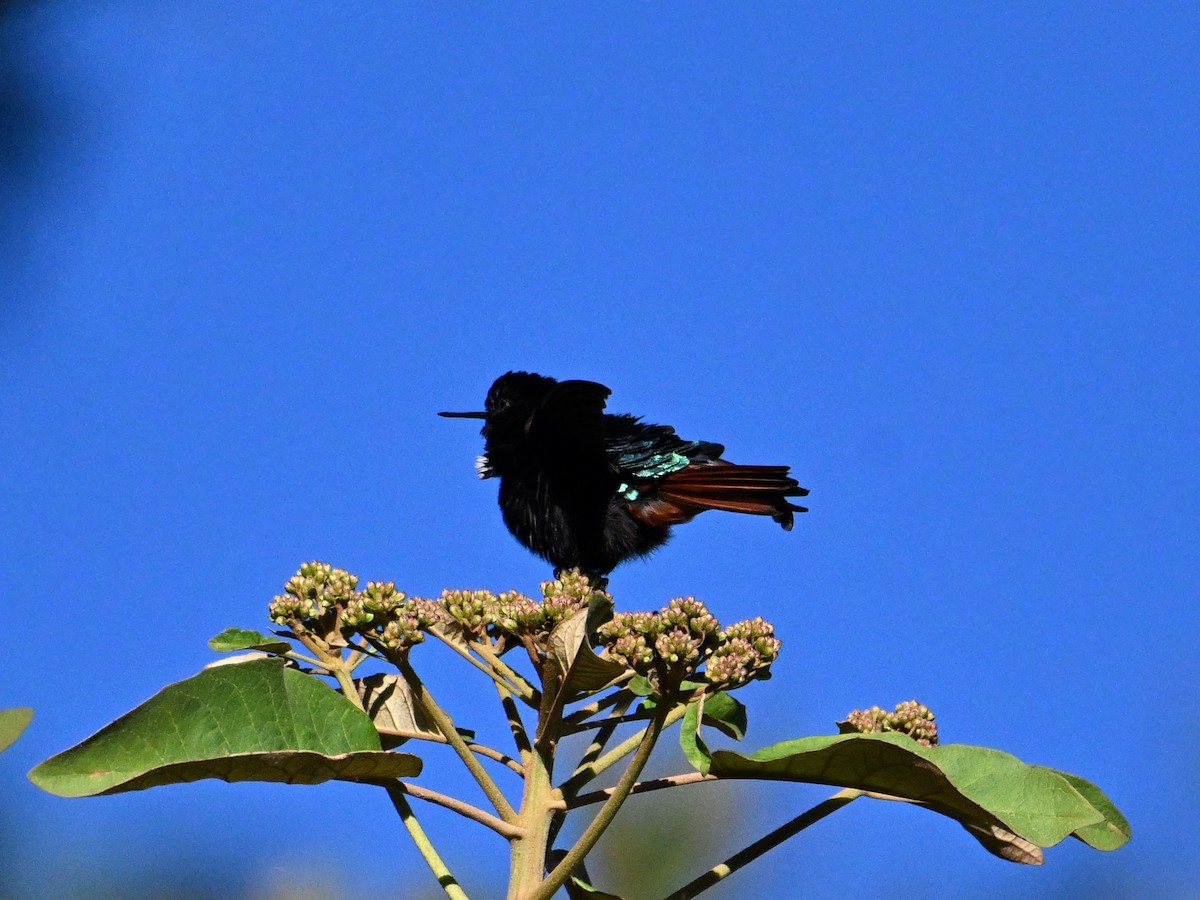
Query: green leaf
x=991 y=792
x=233 y=639
x=721 y=712
x=1110 y=834
x=254 y=721
x=691 y=743
x=12 y=723
x=640 y=685
x=726 y=714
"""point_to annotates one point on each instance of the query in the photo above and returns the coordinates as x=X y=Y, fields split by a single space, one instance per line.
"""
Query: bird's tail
x=757 y=490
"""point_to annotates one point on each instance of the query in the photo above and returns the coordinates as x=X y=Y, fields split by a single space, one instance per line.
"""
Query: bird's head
x=511 y=402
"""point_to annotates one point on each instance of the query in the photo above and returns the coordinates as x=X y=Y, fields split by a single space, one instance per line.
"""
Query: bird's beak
x=463 y=415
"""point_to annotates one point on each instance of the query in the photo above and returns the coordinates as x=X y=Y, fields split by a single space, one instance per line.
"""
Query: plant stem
x=446 y=725
x=300 y=657
x=515 y=723
x=528 y=854
x=765 y=843
x=439 y=738
x=526 y=691
x=561 y=872
x=424 y=845
x=596 y=747
x=608 y=723
x=463 y=808
x=624 y=695
x=349 y=690
x=491 y=671
x=642 y=787
x=587 y=771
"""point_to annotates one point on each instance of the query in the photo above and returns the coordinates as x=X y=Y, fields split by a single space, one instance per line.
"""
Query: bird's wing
x=569 y=422
x=643 y=454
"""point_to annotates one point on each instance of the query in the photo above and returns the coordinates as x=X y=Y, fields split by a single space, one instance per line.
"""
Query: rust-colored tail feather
x=756 y=490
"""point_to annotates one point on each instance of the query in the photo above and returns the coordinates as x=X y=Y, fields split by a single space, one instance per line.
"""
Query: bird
x=586 y=489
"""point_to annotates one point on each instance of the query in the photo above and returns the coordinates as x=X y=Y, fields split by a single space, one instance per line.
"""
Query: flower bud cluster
x=312 y=592
x=630 y=638
x=917 y=721
x=475 y=611
x=688 y=634
x=910 y=717
x=745 y=652
x=683 y=635
x=405 y=626
x=378 y=602
x=515 y=614
x=322 y=603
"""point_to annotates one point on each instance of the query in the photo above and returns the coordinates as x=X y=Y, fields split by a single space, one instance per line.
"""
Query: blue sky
x=943 y=263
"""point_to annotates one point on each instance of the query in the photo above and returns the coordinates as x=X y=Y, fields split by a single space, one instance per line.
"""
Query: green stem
x=515 y=724
x=464 y=809
x=599 y=742
x=642 y=787
x=586 y=772
x=349 y=690
x=489 y=670
x=583 y=713
x=765 y=843
x=439 y=738
x=605 y=733
x=612 y=722
x=300 y=657
x=528 y=856
x=575 y=856
x=523 y=689
x=446 y=726
x=424 y=845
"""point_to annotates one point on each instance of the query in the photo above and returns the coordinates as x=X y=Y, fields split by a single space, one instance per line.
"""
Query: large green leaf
x=254 y=721
x=12 y=723
x=1005 y=803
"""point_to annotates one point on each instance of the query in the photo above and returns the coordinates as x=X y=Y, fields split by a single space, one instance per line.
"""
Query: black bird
x=584 y=488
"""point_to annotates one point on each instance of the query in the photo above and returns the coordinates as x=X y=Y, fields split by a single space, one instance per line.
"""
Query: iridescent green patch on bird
x=652 y=452
x=661 y=464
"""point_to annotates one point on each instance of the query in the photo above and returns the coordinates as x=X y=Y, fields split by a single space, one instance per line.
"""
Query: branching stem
x=446 y=725
x=616 y=698
x=424 y=845
x=561 y=872
x=515 y=724
x=586 y=772
x=502 y=828
x=523 y=689
x=518 y=685
x=765 y=843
